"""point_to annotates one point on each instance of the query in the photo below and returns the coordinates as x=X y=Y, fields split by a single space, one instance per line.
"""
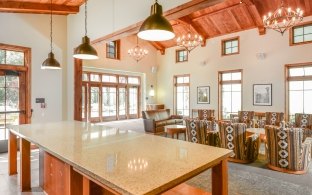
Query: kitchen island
x=82 y=158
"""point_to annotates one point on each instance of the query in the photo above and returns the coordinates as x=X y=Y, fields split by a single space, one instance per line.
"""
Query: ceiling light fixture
x=282 y=18
x=189 y=41
x=51 y=62
x=85 y=51
x=156 y=27
x=137 y=52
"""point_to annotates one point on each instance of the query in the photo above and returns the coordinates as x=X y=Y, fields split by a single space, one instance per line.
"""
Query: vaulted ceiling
x=215 y=19
x=209 y=18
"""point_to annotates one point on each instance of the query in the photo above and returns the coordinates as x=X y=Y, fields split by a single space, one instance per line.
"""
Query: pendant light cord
x=86 y=16
x=51 y=29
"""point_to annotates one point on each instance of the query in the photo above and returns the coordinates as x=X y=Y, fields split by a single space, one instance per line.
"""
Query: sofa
x=155 y=120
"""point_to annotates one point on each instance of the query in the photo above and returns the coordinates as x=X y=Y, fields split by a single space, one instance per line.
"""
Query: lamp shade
x=50 y=62
x=85 y=51
x=156 y=27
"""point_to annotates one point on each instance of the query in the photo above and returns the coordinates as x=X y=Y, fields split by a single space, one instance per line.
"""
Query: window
x=230 y=46
x=230 y=85
x=182 y=94
x=181 y=55
x=113 y=50
x=299 y=89
x=9 y=57
x=107 y=97
x=301 y=34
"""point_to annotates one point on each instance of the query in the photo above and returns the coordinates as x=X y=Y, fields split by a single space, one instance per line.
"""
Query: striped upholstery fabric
x=202 y=132
x=286 y=150
x=246 y=117
x=205 y=114
x=304 y=121
x=233 y=137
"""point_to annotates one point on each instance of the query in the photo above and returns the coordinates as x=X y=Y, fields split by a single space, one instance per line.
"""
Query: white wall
x=33 y=31
x=105 y=17
x=205 y=62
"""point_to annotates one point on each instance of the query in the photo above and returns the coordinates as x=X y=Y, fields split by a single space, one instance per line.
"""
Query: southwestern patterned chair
x=304 y=121
x=272 y=118
x=203 y=114
x=245 y=117
x=233 y=136
x=202 y=132
x=286 y=149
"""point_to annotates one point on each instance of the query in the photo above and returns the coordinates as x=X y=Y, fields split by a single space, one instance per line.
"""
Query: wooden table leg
x=85 y=186
x=12 y=147
x=220 y=178
x=25 y=176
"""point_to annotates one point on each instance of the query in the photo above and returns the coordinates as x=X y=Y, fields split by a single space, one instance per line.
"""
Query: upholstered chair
x=286 y=149
x=304 y=121
x=272 y=118
x=233 y=136
x=205 y=114
x=246 y=117
x=202 y=132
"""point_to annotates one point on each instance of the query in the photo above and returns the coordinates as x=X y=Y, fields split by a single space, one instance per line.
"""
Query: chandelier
x=189 y=41
x=137 y=53
x=282 y=18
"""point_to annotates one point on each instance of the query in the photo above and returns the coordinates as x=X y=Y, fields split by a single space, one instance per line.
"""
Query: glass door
x=109 y=103
x=122 y=112
x=94 y=103
x=12 y=106
x=133 y=100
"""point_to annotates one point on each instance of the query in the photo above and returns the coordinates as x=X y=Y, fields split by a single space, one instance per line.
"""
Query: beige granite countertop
x=126 y=161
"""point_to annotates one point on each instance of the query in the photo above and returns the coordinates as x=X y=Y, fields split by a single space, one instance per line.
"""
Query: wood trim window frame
x=175 y=84
x=24 y=118
x=295 y=78
x=223 y=42
x=178 y=56
x=220 y=82
x=116 y=50
x=291 y=34
x=118 y=85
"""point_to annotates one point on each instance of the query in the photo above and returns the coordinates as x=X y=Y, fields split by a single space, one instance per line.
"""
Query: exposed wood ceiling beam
x=217 y=11
x=255 y=14
x=234 y=19
x=37 y=8
x=158 y=46
x=173 y=14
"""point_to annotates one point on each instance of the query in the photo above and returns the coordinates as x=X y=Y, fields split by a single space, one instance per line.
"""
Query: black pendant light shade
x=156 y=27
x=50 y=62
x=85 y=50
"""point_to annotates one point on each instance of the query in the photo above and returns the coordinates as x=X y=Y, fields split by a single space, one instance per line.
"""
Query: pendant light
x=51 y=62
x=156 y=27
x=85 y=51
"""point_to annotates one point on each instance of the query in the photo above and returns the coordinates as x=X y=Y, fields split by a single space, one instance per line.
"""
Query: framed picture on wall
x=203 y=95
x=262 y=94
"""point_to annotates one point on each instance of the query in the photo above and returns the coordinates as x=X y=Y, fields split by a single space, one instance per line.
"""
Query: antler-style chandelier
x=189 y=41
x=282 y=18
x=137 y=52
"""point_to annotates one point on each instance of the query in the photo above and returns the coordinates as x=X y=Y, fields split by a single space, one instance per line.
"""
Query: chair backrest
x=274 y=118
x=195 y=131
x=233 y=137
x=202 y=131
x=245 y=116
x=284 y=147
x=204 y=114
x=303 y=120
